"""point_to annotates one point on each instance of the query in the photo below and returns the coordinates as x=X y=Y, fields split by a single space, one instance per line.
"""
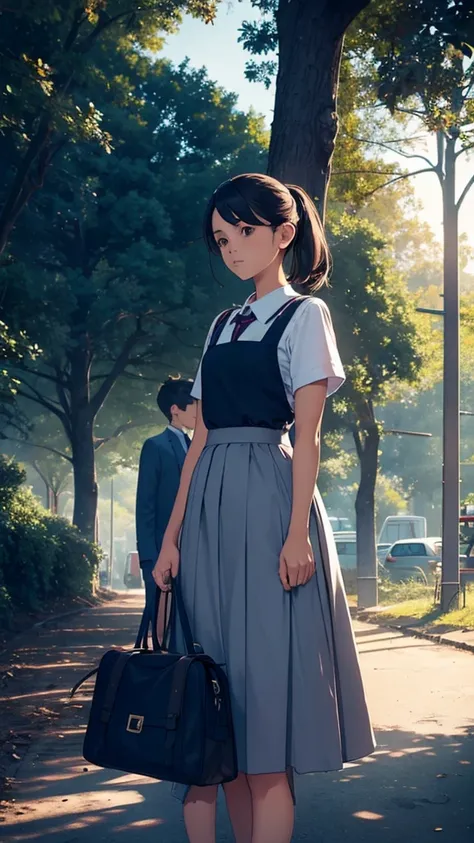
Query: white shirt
x=307 y=351
x=180 y=435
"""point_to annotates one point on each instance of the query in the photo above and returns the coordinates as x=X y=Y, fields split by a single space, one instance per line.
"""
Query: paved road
x=418 y=784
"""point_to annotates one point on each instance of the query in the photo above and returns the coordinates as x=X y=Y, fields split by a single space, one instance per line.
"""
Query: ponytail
x=310 y=259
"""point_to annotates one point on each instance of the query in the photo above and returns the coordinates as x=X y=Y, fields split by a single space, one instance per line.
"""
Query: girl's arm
x=168 y=560
x=296 y=559
x=309 y=407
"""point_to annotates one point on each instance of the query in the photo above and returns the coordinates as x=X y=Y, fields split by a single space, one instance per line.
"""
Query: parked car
x=132 y=577
x=340 y=524
x=382 y=550
x=414 y=559
x=346 y=549
x=346 y=545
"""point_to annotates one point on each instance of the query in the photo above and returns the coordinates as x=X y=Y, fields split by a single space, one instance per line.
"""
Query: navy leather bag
x=162 y=714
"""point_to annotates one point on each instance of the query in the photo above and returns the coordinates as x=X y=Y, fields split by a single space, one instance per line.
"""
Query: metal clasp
x=217 y=691
x=135 y=723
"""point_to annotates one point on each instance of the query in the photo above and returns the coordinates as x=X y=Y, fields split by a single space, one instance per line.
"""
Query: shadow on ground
x=411 y=787
x=419 y=782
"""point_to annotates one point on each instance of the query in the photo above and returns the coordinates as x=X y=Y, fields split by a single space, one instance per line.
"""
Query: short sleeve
x=313 y=349
x=196 y=391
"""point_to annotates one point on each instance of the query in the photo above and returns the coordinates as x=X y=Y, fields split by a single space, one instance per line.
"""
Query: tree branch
x=404 y=176
x=382 y=143
x=412 y=111
x=465 y=192
x=98 y=399
x=122 y=428
x=39 y=374
x=365 y=172
x=42 y=476
x=105 y=21
x=62 y=393
x=42 y=447
x=39 y=399
x=464 y=149
x=386 y=145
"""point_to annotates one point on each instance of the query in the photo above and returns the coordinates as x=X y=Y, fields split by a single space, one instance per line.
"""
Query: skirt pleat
x=297 y=697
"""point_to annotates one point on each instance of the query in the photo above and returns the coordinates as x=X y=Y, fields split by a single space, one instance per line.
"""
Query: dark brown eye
x=247 y=230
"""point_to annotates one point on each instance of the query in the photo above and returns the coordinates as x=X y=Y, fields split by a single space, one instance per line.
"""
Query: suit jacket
x=161 y=461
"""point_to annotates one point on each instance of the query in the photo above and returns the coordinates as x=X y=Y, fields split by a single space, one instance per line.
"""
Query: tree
x=48 y=59
x=428 y=72
x=380 y=349
x=110 y=276
x=14 y=349
x=308 y=38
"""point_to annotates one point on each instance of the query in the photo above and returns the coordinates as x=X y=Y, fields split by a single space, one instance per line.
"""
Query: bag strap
x=141 y=643
x=183 y=617
x=150 y=618
x=112 y=687
x=81 y=681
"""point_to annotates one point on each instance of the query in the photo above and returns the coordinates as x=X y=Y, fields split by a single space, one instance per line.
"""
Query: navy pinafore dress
x=298 y=702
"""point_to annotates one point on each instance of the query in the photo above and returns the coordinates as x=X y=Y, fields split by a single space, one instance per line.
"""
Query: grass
x=412 y=600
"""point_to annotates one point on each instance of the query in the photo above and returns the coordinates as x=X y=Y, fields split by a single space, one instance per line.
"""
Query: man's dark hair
x=174 y=391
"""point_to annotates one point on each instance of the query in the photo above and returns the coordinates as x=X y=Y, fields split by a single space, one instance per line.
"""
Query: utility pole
x=450 y=580
x=451 y=398
x=111 y=550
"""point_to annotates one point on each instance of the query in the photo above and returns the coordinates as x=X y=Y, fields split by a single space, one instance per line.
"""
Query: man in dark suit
x=161 y=461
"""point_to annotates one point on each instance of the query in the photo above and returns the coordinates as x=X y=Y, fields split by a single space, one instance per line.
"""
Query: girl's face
x=249 y=250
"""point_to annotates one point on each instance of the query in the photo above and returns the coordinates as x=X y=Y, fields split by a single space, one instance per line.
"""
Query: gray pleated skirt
x=298 y=703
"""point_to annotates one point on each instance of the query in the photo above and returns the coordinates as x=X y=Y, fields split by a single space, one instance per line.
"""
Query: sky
x=216 y=47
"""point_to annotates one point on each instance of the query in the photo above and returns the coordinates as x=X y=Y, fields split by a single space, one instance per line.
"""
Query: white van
x=397 y=527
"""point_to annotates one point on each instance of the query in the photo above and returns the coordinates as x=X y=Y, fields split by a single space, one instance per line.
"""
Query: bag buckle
x=135 y=723
x=217 y=691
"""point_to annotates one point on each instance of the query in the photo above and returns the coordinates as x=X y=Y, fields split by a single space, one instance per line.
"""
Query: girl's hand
x=296 y=561
x=166 y=567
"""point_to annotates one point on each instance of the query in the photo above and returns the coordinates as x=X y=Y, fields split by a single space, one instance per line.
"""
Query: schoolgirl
x=249 y=535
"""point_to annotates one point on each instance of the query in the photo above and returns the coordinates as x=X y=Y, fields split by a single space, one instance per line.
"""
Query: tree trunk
x=310 y=41
x=54 y=501
x=85 y=481
x=367 y=448
x=82 y=440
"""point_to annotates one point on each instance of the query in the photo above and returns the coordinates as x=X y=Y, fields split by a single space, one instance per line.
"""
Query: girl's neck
x=268 y=280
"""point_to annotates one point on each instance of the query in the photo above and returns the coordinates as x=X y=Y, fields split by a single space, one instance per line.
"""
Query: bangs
x=229 y=202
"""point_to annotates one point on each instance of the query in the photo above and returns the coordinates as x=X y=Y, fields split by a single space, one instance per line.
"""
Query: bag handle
x=150 y=616
x=183 y=617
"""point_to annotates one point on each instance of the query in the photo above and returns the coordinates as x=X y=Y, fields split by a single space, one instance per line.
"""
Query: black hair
x=254 y=197
x=174 y=391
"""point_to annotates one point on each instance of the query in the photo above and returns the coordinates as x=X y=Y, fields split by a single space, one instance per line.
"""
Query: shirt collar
x=265 y=307
x=176 y=430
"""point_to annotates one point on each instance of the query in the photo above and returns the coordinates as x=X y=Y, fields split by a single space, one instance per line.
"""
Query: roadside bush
x=42 y=557
x=400 y=592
